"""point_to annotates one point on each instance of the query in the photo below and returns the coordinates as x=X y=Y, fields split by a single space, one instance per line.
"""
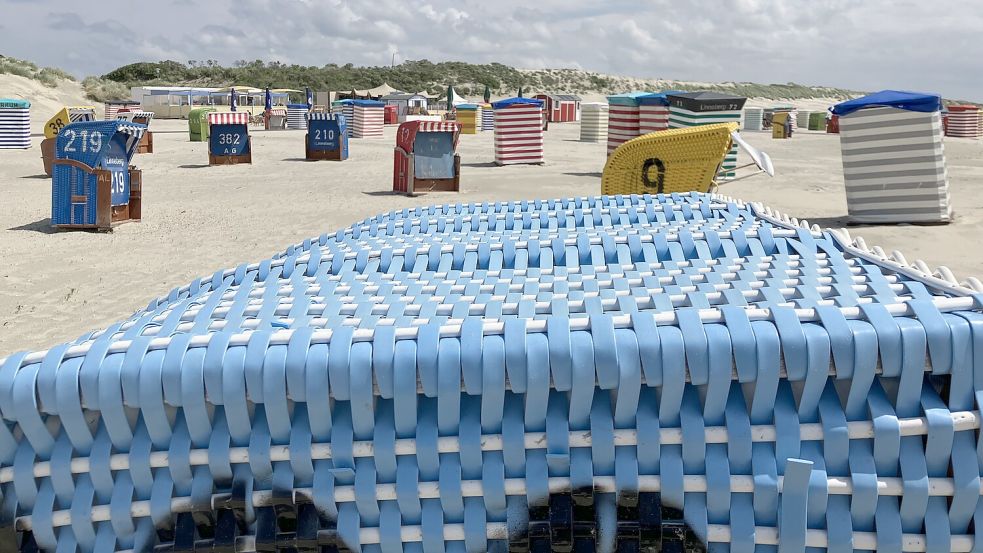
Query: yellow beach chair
x=677 y=160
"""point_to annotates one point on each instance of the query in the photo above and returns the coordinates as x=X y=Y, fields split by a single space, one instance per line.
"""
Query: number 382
x=229 y=139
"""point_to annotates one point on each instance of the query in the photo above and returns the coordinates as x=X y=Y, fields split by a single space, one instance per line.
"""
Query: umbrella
x=310 y=99
x=268 y=103
x=450 y=96
x=520 y=92
x=487 y=95
x=233 y=99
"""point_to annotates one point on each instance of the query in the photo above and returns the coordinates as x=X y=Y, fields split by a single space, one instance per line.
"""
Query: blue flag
x=268 y=105
x=310 y=99
x=233 y=100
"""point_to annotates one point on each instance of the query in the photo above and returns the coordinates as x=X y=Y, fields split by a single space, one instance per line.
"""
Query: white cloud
x=866 y=45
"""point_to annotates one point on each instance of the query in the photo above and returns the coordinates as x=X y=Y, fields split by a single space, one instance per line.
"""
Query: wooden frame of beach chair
x=47 y=154
x=678 y=160
x=108 y=215
x=312 y=154
x=416 y=186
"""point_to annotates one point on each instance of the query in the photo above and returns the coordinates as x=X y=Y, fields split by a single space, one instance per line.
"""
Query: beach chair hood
x=909 y=101
x=81 y=145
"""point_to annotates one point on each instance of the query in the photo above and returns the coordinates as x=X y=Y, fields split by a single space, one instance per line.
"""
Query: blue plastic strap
x=448 y=386
x=338 y=362
x=362 y=398
x=795 y=496
x=697 y=355
x=673 y=375
x=560 y=362
x=471 y=355
x=538 y=382
x=515 y=354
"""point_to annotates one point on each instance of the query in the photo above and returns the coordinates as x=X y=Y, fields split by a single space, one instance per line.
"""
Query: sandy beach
x=56 y=285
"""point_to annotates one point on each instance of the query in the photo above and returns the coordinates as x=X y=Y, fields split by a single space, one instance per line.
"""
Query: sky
x=858 y=44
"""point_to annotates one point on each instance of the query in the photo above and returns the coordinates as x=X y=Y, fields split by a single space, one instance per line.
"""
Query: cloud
x=864 y=45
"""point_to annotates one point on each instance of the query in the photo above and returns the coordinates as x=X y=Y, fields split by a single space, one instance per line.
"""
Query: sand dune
x=45 y=101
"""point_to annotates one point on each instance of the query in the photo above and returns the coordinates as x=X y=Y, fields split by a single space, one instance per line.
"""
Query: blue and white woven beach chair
x=538 y=375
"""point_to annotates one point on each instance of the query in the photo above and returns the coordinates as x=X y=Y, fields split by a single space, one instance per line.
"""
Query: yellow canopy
x=284 y=90
x=241 y=89
x=66 y=115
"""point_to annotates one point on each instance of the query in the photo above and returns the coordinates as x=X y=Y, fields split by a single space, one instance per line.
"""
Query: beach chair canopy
x=518 y=101
x=677 y=160
x=66 y=115
x=365 y=103
x=909 y=101
x=654 y=99
x=228 y=118
x=143 y=117
x=90 y=141
x=627 y=99
x=705 y=101
x=14 y=103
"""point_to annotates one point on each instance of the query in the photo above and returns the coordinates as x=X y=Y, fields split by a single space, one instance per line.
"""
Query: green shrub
x=49 y=76
x=101 y=90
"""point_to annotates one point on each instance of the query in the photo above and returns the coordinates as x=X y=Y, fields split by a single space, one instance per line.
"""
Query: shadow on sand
x=42 y=226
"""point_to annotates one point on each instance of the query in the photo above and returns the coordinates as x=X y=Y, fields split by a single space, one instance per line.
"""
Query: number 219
x=89 y=142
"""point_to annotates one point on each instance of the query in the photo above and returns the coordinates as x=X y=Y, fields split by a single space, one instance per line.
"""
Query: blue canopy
x=654 y=99
x=627 y=99
x=17 y=103
x=900 y=99
x=368 y=103
x=296 y=106
x=69 y=145
x=517 y=101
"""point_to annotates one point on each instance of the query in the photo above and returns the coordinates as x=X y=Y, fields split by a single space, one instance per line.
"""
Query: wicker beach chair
x=677 y=160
